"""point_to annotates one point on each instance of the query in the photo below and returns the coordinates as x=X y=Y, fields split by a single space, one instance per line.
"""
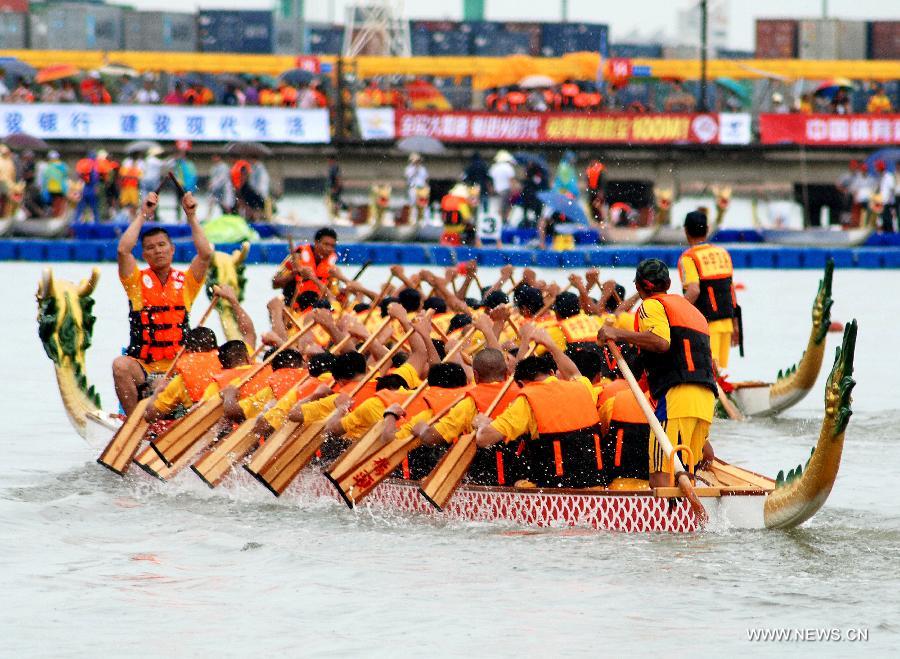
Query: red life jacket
x=716 y=300
x=85 y=169
x=198 y=369
x=157 y=329
x=306 y=256
x=594 y=171
x=515 y=101
x=689 y=358
x=236 y=173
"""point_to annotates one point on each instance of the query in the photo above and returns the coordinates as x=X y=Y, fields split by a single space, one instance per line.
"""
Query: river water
x=94 y=565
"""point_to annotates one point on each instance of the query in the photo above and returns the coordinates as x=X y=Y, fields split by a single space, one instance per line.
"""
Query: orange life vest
x=515 y=101
x=594 y=171
x=610 y=390
x=484 y=393
x=157 y=329
x=306 y=256
x=567 y=451
x=501 y=463
x=365 y=393
x=129 y=176
x=85 y=169
x=237 y=169
x=256 y=384
x=568 y=92
x=198 y=369
x=580 y=328
x=626 y=443
x=398 y=397
x=285 y=378
x=451 y=210
x=689 y=358
x=716 y=300
x=438 y=398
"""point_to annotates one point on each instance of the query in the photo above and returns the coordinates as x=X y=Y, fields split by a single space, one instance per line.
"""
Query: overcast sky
x=646 y=17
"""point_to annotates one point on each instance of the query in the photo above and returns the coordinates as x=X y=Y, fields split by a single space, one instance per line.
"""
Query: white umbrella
x=536 y=82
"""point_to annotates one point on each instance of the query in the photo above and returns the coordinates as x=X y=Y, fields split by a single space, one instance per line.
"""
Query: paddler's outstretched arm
x=244 y=322
x=566 y=367
x=200 y=262
x=128 y=240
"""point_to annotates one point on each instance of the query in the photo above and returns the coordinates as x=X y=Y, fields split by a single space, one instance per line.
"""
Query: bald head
x=489 y=365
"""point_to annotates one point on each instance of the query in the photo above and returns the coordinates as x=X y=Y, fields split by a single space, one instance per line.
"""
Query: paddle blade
x=296 y=453
x=219 y=459
x=443 y=480
x=357 y=452
x=687 y=488
x=122 y=448
x=183 y=435
x=374 y=468
x=271 y=448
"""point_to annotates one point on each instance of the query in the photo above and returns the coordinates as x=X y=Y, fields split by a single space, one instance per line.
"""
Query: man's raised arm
x=128 y=240
x=200 y=263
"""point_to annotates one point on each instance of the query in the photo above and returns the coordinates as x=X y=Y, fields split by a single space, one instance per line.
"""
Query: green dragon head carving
x=65 y=325
x=800 y=493
x=821 y=311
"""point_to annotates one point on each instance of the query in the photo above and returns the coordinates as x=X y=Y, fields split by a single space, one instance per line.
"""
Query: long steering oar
x=122 y=448
x=376 y=464
x=684 y=483
x=263 y=457
x=188 y=433
x=438 y=486
x=218 y=460
x=302 y=442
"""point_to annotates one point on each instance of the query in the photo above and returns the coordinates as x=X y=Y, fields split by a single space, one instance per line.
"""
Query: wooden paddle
x=382 y=462
x=441 y=483
x=684 y=483
x=299 y=444
x=369 y=442
x=377 y=300
x=122 y=448
x=341 y=472
x=219 y=459
x=730 y=408
x=274 y=443
x=185 y=434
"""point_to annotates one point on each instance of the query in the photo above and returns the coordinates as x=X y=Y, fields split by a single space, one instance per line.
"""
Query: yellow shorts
x=720 y=344
x=129 y=197
x=690 y=431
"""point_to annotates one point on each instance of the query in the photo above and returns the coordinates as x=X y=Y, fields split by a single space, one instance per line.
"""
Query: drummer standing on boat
x=159 y=299
x=309 y=268
x=707 y=283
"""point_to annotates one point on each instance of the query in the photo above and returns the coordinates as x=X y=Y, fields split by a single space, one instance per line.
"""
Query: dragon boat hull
x=816 y=237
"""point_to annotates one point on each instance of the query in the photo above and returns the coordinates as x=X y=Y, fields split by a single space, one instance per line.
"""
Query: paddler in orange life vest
x=310 y=267
x=707 y=281
x=556 y=415
x=673 y=337
x=596 y=190
x=159 y=299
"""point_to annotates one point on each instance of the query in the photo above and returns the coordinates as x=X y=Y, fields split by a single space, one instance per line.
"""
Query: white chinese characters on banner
x=163 y=122
x=376 y=123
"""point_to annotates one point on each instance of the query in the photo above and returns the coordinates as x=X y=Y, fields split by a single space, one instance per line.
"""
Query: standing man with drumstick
x=309 y=267
x=159 y=299
x=673 y=337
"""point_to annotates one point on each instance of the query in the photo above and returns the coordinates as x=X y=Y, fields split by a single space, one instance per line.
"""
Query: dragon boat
x=759 y=398
x=732 y=496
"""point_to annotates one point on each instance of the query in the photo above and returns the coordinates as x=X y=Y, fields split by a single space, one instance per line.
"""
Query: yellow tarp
x=485 y=71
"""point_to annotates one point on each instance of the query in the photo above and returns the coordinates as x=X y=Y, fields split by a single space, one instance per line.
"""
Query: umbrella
x=247 y=149
x=22 y=141
x=830 y=87
x=117 y=70
x=230 y=79
x=16 y=67
x=890 y=156
x=564 y=205
x=141 y=146
x=421 y=144
x=737 y=88
x=536 y=82
x=56 y=72
x=526 y=158
x=297 y=77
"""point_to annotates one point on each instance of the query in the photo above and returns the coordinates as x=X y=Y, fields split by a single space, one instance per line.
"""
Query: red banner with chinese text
x=830 y=129
x=603 y=128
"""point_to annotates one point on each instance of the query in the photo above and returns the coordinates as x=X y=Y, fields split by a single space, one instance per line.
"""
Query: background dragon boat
x=732 y=496
x=792 y=384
